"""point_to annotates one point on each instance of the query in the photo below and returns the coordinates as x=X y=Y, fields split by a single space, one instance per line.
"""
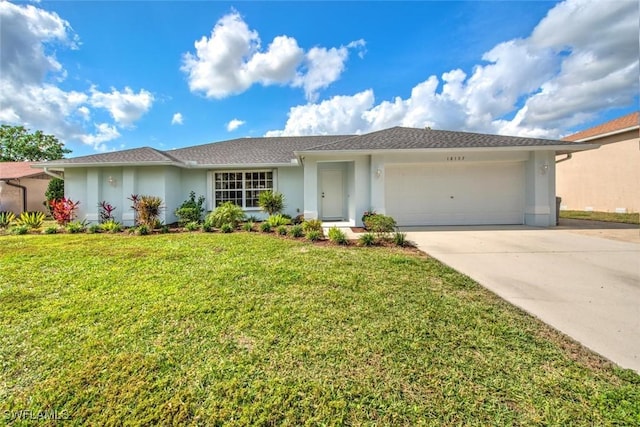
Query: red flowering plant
x=63 y=210
x=106 y=211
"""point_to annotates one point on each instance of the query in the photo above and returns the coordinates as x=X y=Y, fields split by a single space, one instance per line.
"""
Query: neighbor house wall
x=11 y=197
x=606 y=179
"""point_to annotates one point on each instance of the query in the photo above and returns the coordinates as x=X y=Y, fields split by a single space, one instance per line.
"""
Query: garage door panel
x=444 y=194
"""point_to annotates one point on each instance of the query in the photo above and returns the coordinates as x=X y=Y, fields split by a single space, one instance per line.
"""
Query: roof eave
x=562 y=147
x=63 y=166
x=607 y=134
x=241 y=165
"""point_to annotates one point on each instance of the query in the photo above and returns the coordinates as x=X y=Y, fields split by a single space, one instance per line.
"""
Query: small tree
x=190 y=210
x=270 y=202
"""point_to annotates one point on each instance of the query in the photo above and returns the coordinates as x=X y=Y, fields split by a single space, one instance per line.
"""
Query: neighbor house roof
x=621 y=124
x=402 y=138
x=17 y=170
x=279 y=151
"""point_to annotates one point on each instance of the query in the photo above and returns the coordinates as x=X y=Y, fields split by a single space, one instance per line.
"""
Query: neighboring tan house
x=418 y=176
x=22 y=188
x=607 y=179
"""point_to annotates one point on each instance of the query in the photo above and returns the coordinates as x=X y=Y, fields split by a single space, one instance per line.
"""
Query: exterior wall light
x=544 y=168
x=378 y=173
x=112 y=181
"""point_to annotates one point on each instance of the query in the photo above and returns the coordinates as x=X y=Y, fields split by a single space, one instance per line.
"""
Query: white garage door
x=455 y=194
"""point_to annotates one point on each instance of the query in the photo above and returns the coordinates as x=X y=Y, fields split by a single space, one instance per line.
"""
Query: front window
x=241 y=188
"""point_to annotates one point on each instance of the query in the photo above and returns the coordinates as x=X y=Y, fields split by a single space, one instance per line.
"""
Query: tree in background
x=17 y=144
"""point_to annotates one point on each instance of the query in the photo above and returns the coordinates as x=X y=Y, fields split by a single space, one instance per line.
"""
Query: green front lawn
x=627 y=218
x=250 y=329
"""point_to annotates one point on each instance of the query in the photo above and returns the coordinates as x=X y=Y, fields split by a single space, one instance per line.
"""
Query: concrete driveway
x=582 y=284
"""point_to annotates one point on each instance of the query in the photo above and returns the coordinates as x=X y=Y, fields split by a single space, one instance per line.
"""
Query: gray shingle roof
x=134 y=155
x=271 y=150
x=401 y=138
x=281 y=150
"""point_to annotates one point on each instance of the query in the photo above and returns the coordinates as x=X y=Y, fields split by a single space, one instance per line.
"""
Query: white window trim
x=211 y=184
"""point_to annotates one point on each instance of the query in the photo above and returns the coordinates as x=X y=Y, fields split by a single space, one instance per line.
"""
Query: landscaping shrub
x=314 y=235
x=282 y=230
x=76 y=227
x=207 y=227
x=265 y=227
x=142 y=230
x=63 y=210
x=277 y=220
x=227 y=228
x=271 y=202
x=190 y=210
x=106 y=211
x=55 y=190
x=192 y=226
x=226 y=213
x=32 y=220
x=367 y=239
x=400 y=239
x=296 y=231
x=149 y=208
x=381 y=225
x=312 y=225
x=164 y=229
x=94 y=228
x=366 y=215
x=299 y=219
x=337 y=236
x=50 y=230
x=6 y=219
x=111 y=226
x=19 y=229
x=248 y=226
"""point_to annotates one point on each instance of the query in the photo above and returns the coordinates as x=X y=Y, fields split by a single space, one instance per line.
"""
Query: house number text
x=455 y=158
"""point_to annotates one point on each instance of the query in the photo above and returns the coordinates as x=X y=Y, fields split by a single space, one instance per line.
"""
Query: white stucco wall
x=11 y=197
x=290 y=182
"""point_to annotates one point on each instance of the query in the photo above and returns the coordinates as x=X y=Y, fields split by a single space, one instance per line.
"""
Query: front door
x=331 y=193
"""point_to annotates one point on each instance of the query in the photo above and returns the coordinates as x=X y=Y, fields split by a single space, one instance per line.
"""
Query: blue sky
x=114 y=75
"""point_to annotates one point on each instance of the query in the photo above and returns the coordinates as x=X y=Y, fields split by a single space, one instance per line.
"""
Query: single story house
x=22 y=188
x=418 y=176
x=607 y=179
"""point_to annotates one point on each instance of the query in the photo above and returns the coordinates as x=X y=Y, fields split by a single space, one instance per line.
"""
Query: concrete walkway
x=586 y=286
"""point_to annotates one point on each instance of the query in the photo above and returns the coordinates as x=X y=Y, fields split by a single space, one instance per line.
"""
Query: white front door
x=331 y=193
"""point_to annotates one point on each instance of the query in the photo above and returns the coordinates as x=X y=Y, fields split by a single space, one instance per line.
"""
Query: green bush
x=337 y=236
x=19 y=229
x=271 y=202
x=296 y=231
x=265 y=227
x=55 y=191
x=149 y=208
x=6 y=218
x=164 y=229
x=277 y=220
x=227 y=228
x=32 y=220
x=400 y=239
x=142 y=230
x=207 y=227
x=314 y=235
x=380 y=224
x=367 y=239
x=111 y=226
x=299 y=219
x=226 y=213
x=50 y=230
x=282 y=230
x=94 y=228
x=312 y=225
x=248 y=226
x=190 y=210
x=76 y=227
x=192 y=226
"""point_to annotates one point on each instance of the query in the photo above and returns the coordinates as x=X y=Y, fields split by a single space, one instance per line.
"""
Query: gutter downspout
x=569 y=156
x=24 y=192
x=55 y=175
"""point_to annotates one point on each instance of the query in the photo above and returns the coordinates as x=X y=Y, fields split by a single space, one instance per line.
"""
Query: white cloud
x=30 y=74
x=125 y=107
x=234 y=124
x=583 y=57
x=177 y=119
x=231 y=60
